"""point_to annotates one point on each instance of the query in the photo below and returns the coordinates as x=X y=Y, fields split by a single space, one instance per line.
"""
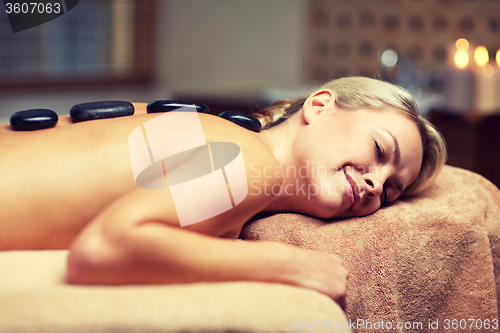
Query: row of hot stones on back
x=36 y=119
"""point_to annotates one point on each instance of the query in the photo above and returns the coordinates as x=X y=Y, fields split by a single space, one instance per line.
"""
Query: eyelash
x=386 y=198
x=381 y=157
x=379 y=151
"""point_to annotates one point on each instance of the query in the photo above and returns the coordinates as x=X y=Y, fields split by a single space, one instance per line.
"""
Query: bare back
x=55 y=181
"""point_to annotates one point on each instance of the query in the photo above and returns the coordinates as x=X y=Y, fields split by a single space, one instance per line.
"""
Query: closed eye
x=385 y=201
x=380 y=154
x=385 y=194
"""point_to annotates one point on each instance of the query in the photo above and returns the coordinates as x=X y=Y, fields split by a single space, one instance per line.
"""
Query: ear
x=318 y=102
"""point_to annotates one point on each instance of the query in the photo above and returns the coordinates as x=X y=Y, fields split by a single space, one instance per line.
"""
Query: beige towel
x=34 y=298
x=433 y=259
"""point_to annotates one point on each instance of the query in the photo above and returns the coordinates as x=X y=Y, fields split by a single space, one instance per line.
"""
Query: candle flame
x=488 y=70
x=462 y=44
x=461 y=59
x=498 y=57
x=481 y=56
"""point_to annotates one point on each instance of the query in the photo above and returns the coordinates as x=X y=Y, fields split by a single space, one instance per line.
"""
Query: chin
x=361 y=213
x=327 y=209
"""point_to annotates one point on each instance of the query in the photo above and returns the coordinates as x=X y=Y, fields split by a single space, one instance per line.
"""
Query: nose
x=374 y=184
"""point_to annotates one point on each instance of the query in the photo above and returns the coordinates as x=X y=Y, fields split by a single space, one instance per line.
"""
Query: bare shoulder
x=257 y=156
x=258 y=161
x=214 y=188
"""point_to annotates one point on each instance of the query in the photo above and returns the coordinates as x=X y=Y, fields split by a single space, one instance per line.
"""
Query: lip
x=352 y=191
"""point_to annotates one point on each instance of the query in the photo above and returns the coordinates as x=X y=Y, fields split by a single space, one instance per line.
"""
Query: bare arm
x=136 y=241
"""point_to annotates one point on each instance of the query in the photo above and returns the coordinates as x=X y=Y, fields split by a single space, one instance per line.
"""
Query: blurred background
x=141 y=50
x=241 y=55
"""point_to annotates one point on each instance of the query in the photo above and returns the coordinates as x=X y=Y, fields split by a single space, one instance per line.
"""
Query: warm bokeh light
x=498 y=57
x=462 y=44
x=488 y=70
x=481 y=56
x=461 y=59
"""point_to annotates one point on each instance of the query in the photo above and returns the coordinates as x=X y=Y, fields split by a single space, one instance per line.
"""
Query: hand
x=319 y=271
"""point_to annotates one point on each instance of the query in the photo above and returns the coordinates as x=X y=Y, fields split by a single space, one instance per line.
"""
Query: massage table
x=430 y=263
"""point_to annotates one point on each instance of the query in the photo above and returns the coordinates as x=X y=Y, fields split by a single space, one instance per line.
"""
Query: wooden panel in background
x=473 y=142
x=344 y=36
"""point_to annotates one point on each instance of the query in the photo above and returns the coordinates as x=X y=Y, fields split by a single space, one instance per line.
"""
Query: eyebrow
x=397 y=160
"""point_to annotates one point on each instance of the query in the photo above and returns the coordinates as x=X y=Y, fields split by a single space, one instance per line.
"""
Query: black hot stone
x=35 y=119
x=166 y=106
x=101 y=110
x=249 y=122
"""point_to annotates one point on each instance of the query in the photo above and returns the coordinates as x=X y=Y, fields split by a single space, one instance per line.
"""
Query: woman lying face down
x=359 y=144
x=345 y=150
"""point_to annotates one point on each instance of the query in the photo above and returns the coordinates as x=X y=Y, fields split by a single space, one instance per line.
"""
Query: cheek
x=352 y=141
x=337 y=145
x=353 y=152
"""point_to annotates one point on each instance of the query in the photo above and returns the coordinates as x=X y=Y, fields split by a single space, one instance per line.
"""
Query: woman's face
x=357 y=160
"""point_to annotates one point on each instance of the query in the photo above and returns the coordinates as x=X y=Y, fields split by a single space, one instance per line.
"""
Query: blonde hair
x=363 y=92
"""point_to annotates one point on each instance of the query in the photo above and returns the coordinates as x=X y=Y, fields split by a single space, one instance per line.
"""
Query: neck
x=280 y=141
